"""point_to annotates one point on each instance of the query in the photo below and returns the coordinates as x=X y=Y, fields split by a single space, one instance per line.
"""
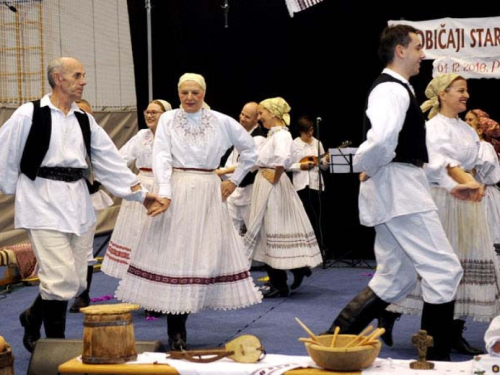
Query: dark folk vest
x=411 y=146
x=37 y=143
x=250 y=176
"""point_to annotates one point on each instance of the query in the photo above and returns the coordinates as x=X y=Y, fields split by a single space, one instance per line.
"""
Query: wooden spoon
x=308 y=340
x=359 y=337
x=373 y=337
x=335 y=334
x=309 y=332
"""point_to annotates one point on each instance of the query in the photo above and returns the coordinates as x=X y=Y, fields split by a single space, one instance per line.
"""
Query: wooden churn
x=108 y=334
x=6 y=361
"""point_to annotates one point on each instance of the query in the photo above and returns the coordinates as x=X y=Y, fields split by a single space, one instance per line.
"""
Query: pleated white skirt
x=190 y=258
x=280 y=233
x=126 y=233
x=465 y=224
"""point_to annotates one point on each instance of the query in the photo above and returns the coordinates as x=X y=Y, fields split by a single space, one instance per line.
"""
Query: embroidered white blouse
x=139 y=149
x=198 y=140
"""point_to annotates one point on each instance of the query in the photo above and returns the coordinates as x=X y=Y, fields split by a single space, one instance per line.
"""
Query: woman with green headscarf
x=280 y=233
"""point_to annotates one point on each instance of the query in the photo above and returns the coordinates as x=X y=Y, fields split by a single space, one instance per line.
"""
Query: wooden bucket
x=7 y=362
x=108 y=334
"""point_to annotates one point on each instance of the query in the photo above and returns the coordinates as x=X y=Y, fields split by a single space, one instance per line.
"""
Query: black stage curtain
x=322 y=61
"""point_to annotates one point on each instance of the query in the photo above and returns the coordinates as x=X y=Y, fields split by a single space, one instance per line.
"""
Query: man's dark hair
x=391 y=37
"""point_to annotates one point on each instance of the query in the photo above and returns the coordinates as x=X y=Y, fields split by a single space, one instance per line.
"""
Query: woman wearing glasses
x=128 y=225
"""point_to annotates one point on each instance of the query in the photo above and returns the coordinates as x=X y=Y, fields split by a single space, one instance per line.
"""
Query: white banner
x=458 y=37
x=295 y=6
x=468 y=67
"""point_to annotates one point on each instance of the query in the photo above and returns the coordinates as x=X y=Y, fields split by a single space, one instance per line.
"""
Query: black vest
x=250 y=176
x=37 y=143
x=411 y=141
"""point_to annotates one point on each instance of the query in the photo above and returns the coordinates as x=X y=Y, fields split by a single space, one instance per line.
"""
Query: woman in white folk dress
x=280 y=233
x=192 y=258
x=137 y=151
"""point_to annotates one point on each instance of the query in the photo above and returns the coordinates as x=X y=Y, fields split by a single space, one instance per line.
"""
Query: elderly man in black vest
x=48 y=149
x=239 y=202
x=395 y=199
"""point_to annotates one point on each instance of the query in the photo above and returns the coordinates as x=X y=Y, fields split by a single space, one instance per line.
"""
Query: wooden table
x=74 y=366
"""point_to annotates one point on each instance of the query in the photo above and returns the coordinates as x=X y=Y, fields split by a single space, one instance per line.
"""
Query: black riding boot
x=176 y=329
x=279 y=286
x=83 y=300
x=358 y=313
x=437 y=320
x=386 y=320
x=31 y=319
x=459 y=343
x=54 y=318
x=298 y=276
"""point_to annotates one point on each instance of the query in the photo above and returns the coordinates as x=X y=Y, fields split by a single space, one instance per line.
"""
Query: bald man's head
x=248 y=115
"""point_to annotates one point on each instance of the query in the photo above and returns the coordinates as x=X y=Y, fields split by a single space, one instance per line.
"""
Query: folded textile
x=25 y=259
x=274 y=364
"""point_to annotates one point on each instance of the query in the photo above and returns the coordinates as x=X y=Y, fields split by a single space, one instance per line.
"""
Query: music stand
x=341 y=162
x=341 y=159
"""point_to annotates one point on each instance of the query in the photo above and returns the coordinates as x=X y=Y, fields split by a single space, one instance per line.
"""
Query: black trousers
x=313 y=201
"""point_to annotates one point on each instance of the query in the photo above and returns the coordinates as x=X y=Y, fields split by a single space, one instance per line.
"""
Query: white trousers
x=62 y=262
x=88 y=242
x=411 y=245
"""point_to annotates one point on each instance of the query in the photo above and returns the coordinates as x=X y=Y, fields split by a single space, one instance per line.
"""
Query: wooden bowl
x=339 y=358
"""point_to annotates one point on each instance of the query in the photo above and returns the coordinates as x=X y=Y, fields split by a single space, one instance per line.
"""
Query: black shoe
x=273 y=293
x=177 y=343
x=83 y=300
x=463 y=347
x=359 y=312
x=459 y=343
x=386 y=320
x=32 y=326
x=298 y=276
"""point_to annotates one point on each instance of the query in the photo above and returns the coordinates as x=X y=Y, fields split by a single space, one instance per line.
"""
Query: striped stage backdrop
x=295 y=6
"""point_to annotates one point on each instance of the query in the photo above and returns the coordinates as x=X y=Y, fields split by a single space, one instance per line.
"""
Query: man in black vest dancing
x=45 y=150
x=395 y=199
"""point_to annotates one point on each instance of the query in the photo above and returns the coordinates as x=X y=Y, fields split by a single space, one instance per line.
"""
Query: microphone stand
x=320 y=205
x=225 y=7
